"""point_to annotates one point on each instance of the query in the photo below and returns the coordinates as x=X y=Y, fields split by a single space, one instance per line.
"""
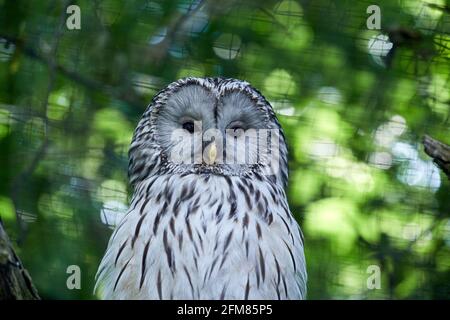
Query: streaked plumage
x=204 y=231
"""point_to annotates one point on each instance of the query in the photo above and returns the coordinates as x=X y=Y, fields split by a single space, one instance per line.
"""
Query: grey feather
x=204 y=231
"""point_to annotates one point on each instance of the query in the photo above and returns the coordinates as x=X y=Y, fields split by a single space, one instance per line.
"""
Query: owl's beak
x=212 y=153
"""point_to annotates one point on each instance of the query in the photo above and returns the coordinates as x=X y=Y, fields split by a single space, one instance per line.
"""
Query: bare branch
x=72 y=75
x=440 y=153
x=173 y=33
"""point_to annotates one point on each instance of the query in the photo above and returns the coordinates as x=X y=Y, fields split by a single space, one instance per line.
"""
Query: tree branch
x=15 y=281
x=440 y=153
x=89 y=84
x=174 y=32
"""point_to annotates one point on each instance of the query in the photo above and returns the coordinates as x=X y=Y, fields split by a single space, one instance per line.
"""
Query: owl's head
x=208 y=126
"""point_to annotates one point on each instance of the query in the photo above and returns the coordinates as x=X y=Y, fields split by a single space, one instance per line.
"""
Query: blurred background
x=354 y=103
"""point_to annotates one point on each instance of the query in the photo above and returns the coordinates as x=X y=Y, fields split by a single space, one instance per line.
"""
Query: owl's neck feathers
x=252 y=188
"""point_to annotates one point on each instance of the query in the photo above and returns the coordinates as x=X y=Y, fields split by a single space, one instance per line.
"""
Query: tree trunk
x=15 y=282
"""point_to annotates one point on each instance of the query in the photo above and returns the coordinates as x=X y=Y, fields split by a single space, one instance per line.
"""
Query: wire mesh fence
x=354 y=103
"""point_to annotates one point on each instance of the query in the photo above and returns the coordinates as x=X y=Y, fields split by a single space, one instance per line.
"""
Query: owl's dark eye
x=189 y=126
x=235 y=126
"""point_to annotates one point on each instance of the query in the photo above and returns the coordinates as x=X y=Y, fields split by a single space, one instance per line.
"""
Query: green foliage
x=360 y=185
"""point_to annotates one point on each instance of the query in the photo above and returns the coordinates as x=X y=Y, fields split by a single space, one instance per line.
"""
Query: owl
x=208 y=226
